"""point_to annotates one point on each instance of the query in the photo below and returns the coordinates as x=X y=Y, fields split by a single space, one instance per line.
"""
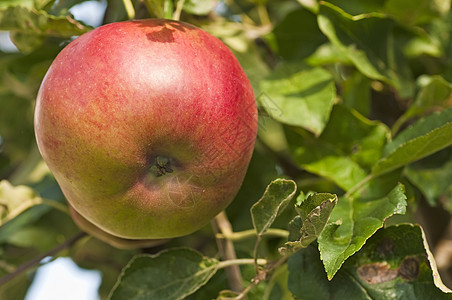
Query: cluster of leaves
x=355 y=120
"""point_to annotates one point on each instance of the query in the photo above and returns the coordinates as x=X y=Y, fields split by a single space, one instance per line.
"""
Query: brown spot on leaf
x=381 y=272
x=409 y=269
x=377 y=273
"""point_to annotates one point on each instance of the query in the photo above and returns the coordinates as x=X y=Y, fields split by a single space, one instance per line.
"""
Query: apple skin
x=148 y=126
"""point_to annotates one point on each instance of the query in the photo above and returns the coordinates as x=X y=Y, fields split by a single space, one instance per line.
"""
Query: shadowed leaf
x=170 y=274
x=275 y=199
x=368 y=41
x=392 y=265
x=315 y=212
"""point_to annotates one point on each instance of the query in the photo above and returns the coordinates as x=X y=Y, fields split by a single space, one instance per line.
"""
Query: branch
x=35 y=261
x=227 y=251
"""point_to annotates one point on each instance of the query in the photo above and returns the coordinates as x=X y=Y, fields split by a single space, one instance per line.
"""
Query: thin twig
x=242 y=295
x=128 y=5
x=35 y=261
x=240 y=261
x=227 y=251
x=263 y=14
x=56 y=205
x=262 y=275
x=255 y=253
x=251 y=233
x=178 y=11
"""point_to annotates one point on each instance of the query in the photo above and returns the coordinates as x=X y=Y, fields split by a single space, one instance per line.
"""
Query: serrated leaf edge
x=272 y=219
x=152 y=256
x=396 y=211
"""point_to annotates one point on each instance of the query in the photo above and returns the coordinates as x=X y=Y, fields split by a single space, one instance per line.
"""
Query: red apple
x=148 y=126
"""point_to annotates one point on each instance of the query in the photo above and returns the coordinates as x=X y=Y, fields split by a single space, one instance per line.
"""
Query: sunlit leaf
x=407 y=12
x=14 y=200
x=435 y=93
x=411 y=12
x=29 y=27
x=423 y=138
x=327 y=54
x=352 y=222
x=199 y=7
x=25 y=3
x=300 y=96
x=43 y=4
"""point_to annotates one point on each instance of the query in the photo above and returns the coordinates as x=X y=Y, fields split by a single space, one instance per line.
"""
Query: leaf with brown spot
x=392 y=262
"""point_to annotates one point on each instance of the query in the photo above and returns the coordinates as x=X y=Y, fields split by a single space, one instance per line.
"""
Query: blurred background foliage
x=339 y=84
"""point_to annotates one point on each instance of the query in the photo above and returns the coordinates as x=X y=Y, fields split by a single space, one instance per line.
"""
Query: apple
x=148 y=127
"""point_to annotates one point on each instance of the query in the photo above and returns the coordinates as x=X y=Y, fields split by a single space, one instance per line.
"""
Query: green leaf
x=297 y=36
x=307 y=279
x=276 y=288
x=45 y=233
x=14 y=200
x=356 y=93
x=198 y=7
x=435 y=93
x=294 y=228
x=276 y=197
x=356 y=7
x=170 y=274
x=432 y=175
x=315 y=212
x=327 y=54
x=299 y=96
x=31 y=21
x=308 y=203
x=425 y=137
x=25 y=42
x=349 y=146
x=419 y=43
x=25 y=3
x=29 y=27
x=353 y=221
x=227 y=295
x=411 y=12
x=401 y=252
x=43 y=4
x=368 y=41
x=391 y=265
x=407 y=12
x=155 y=8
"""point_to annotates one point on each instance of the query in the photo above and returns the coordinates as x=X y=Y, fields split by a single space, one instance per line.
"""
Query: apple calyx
x=161 y=165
